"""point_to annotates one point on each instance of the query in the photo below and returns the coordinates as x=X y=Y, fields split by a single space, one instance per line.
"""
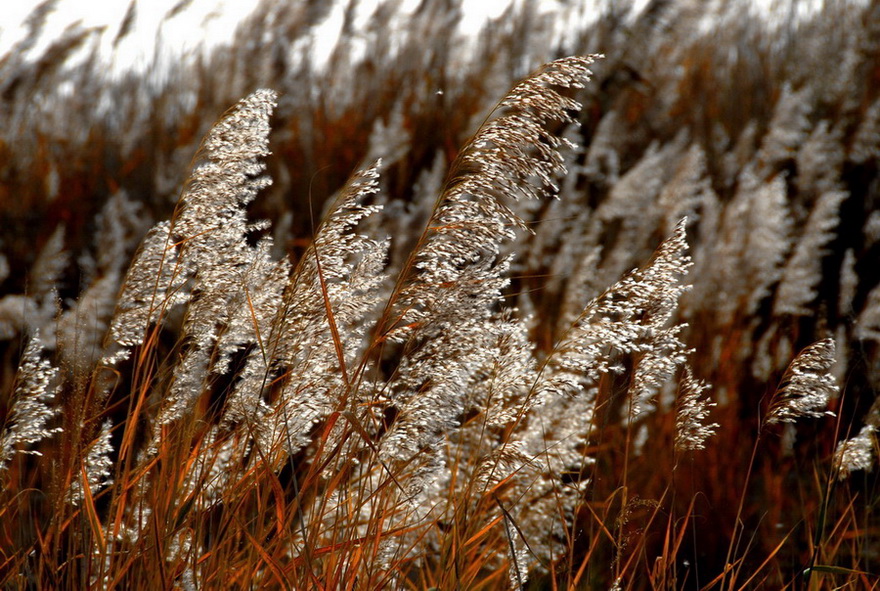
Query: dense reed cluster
x=366 y=330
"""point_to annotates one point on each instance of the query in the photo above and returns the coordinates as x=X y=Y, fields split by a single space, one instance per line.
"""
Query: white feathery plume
x=819 y=160
x=340 y=274
x=866 y=142
x=752 y=243
x=443 y=309
x=788 y=128
x=856 y=453
x=630 y=317
x=806 y=387
x=803 y=271
x=859 y=452
x=212 y=229
x=691 y=428
x=849 y=284
x=98 y=466
x=31 y=412
x=153 y=284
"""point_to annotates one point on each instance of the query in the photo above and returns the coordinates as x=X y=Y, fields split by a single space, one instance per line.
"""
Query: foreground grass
x=492 y=397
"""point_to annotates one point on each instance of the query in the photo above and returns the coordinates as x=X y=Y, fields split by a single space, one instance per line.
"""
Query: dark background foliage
x=675 y=77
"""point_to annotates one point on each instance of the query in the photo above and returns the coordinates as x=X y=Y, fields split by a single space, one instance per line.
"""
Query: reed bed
x=448 y=313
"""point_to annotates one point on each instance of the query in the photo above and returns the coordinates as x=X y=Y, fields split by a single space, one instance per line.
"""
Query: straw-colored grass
x=618 y=330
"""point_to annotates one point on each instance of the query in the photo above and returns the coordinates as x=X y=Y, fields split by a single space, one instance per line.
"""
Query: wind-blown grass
x=446 y=385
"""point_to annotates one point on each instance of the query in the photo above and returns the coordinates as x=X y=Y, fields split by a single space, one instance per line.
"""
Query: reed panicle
x=534 y=361
x=28 y=421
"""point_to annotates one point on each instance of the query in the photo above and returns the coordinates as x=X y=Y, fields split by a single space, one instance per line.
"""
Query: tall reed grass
x=623 y=335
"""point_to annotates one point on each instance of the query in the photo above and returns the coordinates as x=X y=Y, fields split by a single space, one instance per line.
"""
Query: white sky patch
x=325 y=36
x=478 y=13
x=207 y=23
